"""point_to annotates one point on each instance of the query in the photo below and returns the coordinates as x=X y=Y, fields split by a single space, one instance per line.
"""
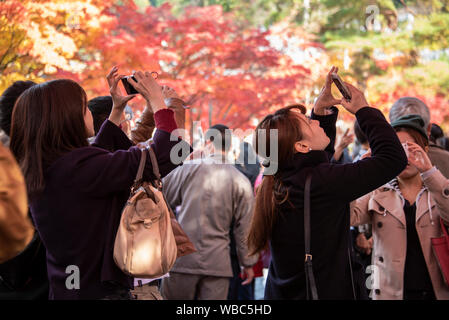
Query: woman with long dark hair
x=304 y=147
x=77 y=191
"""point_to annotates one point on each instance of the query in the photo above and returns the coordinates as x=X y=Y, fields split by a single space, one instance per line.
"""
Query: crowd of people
x=318 y=223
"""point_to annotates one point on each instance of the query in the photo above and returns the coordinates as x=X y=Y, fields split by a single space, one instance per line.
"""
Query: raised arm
x=326 y=113
x=351 y=181
x=101 y=172
x=107 y=172
x=154 y=97
x=432 y=178
x=438 y=186
x=327 y=122
x=121 y=142
x=145 y=126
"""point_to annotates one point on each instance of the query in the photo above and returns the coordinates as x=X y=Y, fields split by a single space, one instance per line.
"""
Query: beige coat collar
x=393 y=202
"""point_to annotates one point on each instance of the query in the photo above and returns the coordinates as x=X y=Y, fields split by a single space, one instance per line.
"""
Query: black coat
x=333 y=187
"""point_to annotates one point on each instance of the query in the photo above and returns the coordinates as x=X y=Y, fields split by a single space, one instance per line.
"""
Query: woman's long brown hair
x=47 y=122
x=272 y=193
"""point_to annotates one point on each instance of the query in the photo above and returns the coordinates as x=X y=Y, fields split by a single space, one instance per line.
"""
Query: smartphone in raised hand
x=128 y=86
x=341 y=86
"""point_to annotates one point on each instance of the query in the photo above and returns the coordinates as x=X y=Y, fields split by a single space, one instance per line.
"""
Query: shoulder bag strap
x=310 y=278
x=155 y=166
x=139 y=174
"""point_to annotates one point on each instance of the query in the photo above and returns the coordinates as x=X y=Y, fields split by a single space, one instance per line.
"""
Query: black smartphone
x=128 y=86
x=341 y=87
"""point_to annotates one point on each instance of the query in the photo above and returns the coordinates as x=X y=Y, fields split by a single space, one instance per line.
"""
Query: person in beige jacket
x=16 y=230
x=405 y=215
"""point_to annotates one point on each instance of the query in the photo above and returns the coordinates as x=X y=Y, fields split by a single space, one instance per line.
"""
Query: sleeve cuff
x=165 y=120
x=250 y=261
x=330 y=116
x=428 y=173
x=436 y=182
x=173 y=102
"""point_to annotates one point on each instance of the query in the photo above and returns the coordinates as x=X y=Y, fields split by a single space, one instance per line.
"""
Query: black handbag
x=311 y=290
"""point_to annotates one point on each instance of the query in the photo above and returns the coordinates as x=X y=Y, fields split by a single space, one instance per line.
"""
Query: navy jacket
x=333 y=187
x=78 y=213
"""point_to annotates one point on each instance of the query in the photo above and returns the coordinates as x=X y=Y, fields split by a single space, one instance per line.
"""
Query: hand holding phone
x=341 y=87
x=147 y=86
x=129 y=87
x=119 y=101
x=357 y=101
x=325 y=99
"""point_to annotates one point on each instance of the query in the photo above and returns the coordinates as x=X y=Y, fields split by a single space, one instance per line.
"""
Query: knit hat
x=412 y=121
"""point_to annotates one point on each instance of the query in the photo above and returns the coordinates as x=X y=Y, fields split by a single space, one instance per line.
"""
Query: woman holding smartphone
x=305 y=146
x=77 y=191
x=405 y=214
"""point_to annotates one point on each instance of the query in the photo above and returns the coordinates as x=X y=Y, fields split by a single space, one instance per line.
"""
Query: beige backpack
x=145 y=245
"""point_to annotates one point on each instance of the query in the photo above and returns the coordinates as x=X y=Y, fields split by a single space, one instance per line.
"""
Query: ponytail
x=270 y=194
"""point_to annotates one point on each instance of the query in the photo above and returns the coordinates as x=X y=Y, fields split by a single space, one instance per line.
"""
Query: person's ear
x=302 y=146
x=429 y=128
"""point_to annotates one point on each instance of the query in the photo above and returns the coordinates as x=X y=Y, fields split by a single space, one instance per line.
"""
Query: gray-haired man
x=411 y=105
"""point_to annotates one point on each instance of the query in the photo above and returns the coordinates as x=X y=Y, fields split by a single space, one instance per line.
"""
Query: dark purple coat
x=78 y=213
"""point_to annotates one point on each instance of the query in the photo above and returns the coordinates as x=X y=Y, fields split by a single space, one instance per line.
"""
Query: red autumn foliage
x=203 y=54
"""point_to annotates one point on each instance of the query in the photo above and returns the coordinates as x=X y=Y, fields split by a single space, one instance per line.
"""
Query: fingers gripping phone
x=341 y=87
x=128 y=86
